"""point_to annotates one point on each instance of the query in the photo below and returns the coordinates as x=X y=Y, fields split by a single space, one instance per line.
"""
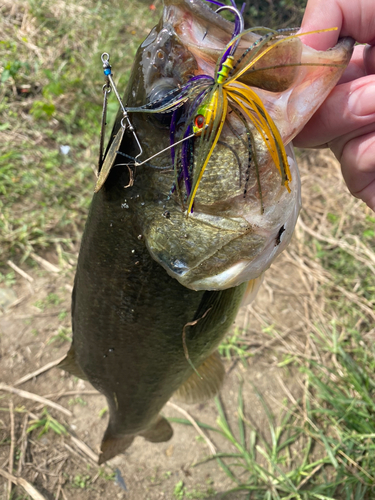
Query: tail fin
x=113 y=445
x=159 y=432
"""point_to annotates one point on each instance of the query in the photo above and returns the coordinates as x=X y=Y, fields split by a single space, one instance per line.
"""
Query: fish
x=197 y=194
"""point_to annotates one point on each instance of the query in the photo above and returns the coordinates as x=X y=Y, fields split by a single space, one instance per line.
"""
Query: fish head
x=216 y=209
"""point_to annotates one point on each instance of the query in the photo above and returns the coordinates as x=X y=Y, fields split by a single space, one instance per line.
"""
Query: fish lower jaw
x=223 y=280
x=244 y=270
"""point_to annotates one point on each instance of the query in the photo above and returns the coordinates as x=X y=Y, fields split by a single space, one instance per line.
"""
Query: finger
x=319 y=15
x=349 y=107
x=357 y=67
x=357 y=158
x=358 y=22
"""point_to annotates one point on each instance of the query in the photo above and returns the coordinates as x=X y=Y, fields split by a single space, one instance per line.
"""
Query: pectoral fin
x=195 y=389
x=251 y=290
x=159 y=432
x=69 y=364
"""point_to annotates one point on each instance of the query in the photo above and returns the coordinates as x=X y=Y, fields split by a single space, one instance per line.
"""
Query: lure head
x=203 y=116
x=243 y=212
x=205 y=113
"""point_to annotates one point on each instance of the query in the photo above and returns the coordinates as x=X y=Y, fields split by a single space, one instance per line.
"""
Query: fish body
x=128 y=320
x=158 y=284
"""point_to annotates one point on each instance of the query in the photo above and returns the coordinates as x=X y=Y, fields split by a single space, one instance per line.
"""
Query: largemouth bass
x=171 y=245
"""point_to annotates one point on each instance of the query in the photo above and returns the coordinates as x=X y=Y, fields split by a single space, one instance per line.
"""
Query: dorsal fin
x=195 y=389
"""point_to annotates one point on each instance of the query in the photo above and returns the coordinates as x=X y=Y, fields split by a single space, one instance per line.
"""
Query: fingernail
x=362 y=101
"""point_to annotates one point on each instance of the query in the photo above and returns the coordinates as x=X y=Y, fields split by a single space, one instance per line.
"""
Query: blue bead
x=107 y=71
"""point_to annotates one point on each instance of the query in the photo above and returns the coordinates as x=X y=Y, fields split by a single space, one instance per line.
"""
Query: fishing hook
x=241 y=21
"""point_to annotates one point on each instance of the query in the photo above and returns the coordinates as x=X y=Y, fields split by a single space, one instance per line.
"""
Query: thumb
x=349 y=107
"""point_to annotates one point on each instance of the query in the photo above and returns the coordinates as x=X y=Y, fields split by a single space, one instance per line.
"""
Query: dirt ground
x=34 y=331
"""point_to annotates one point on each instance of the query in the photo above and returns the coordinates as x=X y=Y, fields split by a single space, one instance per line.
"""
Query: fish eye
x=159 y=95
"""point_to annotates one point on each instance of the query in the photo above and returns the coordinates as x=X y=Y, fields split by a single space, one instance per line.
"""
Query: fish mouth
x=243 y=210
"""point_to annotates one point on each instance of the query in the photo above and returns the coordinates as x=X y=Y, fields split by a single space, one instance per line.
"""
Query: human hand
x=346 y=120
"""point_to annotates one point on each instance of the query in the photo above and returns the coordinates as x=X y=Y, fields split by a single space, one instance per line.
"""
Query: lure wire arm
x=107 y=68
x=136 y=164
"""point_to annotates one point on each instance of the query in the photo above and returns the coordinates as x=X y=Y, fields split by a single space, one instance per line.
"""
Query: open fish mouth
x=229 y=102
